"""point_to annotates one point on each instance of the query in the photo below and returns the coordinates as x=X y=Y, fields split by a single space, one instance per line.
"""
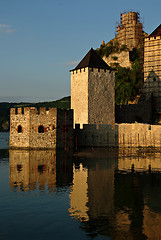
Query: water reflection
x=121 y=195
x=39 y=169
x=113 y=193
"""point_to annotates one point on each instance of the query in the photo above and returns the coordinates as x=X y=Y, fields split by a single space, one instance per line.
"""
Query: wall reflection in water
x=39 y=169
x=118 y=194
x=113 y=193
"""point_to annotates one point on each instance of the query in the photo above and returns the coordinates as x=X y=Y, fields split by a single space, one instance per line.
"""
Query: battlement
x=36 y=111
x=81 y=70
x=89 y=69
x=152 y=38
x=31 y=110
x=118 y=135
x=96 y=127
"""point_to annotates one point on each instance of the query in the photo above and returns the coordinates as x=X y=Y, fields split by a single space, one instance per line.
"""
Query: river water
x=91 y=194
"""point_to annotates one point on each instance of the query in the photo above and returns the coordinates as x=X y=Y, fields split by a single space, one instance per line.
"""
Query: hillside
x=128 y=66
x=5 y=109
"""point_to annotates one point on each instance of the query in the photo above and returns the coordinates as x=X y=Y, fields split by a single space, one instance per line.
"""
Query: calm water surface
x=92 y=194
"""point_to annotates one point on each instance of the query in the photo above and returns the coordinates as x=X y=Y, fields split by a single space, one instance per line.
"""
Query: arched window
x=41 y=129
x=19 y=129
x=19 y=167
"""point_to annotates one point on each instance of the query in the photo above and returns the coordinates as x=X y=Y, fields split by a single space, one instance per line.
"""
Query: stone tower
x=93 y=91
x=130 y=30
x=33 y=128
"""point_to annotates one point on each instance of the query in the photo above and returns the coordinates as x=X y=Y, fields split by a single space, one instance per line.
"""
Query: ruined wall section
x=79 y=95
x=20 y=127
x=152 y=71
x=101 y=96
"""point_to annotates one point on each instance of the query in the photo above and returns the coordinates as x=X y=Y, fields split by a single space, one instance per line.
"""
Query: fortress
x=91 y=122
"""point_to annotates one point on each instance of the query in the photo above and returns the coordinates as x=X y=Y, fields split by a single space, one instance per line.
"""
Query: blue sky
x=41 y=40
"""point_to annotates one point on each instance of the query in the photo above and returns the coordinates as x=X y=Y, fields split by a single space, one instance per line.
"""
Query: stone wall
x=47 y=119
x=152 y=71
x=19 y=118
x=118 y=135
x=141 y=112
x=93 y=135
x=64 y=129
x=101 y=96
x=51 y=128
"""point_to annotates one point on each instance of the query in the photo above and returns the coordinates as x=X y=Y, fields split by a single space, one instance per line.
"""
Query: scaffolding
x=130 y=30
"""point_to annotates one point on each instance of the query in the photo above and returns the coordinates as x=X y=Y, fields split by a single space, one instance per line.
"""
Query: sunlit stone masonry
x=93 y=91
x=30 y=128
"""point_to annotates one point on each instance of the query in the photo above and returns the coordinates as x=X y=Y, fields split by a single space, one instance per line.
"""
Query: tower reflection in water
x=114 y=193
x=39 y=169
x=118 y=194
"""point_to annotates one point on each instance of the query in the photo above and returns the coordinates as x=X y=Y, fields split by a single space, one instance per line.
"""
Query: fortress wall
x=152 y=70
x=118 y=135
x=64 y=128
x=21 y=120
x=48 y=120
x=101 y=96
x=141 y=112
x=92 y=135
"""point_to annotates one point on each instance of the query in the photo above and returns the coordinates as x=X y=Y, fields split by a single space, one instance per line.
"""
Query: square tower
x=30 y=128
x=93 y=91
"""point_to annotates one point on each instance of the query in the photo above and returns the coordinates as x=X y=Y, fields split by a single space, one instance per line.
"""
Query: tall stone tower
x=130 y=30
x=93 y=91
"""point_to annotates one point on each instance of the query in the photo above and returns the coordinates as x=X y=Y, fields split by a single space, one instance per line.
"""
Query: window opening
x=41 y=129
x=41 y=168
x=19 y=129
x=19 y=167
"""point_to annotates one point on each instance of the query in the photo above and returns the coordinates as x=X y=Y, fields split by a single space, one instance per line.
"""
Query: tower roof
x=93 y=60
x=156 y=32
